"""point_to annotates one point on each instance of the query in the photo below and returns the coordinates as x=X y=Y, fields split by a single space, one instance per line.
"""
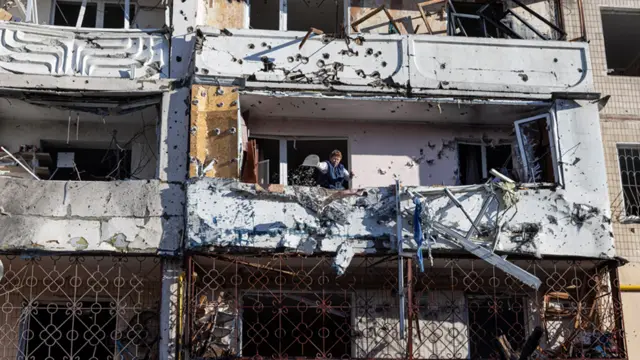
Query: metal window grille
x=290 y=306
x=629 y=158
x=79 y=307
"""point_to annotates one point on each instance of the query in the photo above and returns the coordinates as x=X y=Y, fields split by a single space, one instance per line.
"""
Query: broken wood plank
x=393 y=23
x=311 y=30
x=354 y=25
x=423 y=15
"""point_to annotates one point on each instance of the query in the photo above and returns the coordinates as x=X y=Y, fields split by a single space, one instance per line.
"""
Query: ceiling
x=312 y=106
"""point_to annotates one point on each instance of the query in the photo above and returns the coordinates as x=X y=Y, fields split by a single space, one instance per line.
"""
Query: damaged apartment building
x=163 y=191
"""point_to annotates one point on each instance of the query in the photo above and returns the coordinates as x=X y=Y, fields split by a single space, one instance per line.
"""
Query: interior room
x=59 y=138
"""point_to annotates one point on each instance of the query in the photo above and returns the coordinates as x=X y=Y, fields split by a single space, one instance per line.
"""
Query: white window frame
x=283 y=154
x=100 y=4
x=552 y=142
x=283 y=16
x=483 y=154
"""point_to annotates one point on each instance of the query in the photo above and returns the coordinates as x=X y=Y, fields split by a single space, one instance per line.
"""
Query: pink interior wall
x=380 y=150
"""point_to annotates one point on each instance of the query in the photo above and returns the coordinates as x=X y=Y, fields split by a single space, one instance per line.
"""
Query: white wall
x=378 y=151
x=15 y=132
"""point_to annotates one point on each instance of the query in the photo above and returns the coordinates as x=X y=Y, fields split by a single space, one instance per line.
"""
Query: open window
x=279 y=161
x=623 y=55
x=536 y=149
x=475 y=160
x=297 y=15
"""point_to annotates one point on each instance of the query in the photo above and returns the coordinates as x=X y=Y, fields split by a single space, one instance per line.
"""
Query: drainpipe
x=630 y=288
x=583 y=30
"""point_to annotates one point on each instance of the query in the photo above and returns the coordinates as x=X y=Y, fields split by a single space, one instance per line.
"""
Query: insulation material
x=214 y=135
x=225 y=14
x=405 y=13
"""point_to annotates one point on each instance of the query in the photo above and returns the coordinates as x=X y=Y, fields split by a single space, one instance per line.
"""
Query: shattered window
x=534 y=144
x=114 y=15
x=476 y=160
x=66 y=14
x=623 y=56
x=629 y=158
x=286 y=162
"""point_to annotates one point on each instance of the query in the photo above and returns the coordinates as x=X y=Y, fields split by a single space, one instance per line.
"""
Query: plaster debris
x=343 y=258
x=79 y=243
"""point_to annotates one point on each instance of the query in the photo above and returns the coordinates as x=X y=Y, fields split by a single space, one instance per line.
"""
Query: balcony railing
x=56 y=50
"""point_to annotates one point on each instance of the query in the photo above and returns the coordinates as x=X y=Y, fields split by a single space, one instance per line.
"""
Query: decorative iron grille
x=290 y=306
x=79 y=307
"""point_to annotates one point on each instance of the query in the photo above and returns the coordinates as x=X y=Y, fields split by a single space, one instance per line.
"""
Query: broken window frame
x=100 y=11
x=483 y=153
x=550 y=122
x=240 y=318
x=283 y=155
x=283 y=17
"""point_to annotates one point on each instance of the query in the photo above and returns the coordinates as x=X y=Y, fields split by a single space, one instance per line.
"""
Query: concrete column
x=174 y=130
x=183 y=20
x=172 y=274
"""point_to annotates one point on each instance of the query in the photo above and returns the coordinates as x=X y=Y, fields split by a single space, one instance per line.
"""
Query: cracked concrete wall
x=389 y=63
x=125 y=216
x=419 y=154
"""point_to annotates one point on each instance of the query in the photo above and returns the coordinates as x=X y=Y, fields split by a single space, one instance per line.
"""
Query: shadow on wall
x=173 y=130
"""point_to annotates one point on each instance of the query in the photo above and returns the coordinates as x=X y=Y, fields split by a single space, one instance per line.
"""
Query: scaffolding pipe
x=400 y=258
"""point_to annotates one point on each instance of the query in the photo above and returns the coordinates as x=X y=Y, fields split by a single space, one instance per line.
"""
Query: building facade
x=160 y=176
x=616 y=74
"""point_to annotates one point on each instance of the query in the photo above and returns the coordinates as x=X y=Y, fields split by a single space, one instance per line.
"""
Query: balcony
x=536 y=221
x=56 y=50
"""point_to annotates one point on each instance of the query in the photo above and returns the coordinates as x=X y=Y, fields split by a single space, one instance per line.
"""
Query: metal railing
x=79 y=307
x=291 y=306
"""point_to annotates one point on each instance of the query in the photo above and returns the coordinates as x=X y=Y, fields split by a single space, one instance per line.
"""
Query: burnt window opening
x=629 y=158
x=88 y=164
x=296 y=324
x=280 y=161
x=94 y=322
x=534 y=144
x=465 y=14
x=490 y=317
x=66 y=14
x=623 y=56
x=476 y=160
